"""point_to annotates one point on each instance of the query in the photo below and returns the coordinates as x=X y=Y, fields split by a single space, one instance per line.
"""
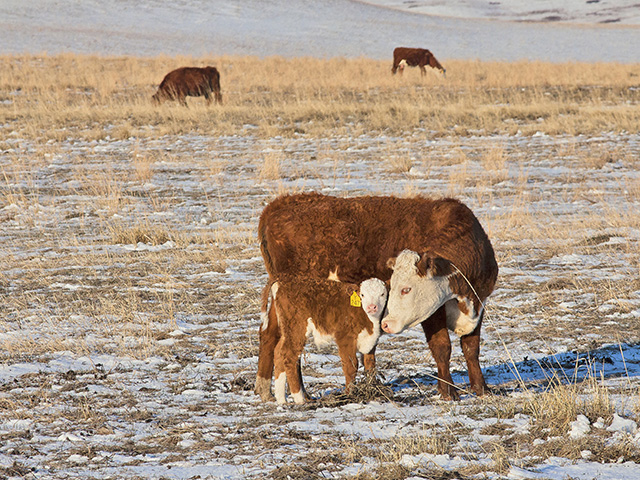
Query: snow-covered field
x=137 y=359
x=326 y=28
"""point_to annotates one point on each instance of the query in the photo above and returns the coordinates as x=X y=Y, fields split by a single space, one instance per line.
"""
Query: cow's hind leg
x=269 y=338
x=470 y=345
x=304 y=393
x=435 y=329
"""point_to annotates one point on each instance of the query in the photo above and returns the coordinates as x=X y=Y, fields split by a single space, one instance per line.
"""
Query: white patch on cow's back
x=280 y=388
x=458 y=322
x=321 y=339
x=333 y=275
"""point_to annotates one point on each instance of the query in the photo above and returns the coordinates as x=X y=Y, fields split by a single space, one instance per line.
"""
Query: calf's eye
x=405 y=290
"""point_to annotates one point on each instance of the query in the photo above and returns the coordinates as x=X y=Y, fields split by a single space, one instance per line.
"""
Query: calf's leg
x=280 y=388
x=369 y=361
x=290 y=352
x=435 y=330
x=347 y=352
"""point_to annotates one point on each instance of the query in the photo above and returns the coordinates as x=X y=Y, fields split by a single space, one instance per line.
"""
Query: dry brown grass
x=48 y=97
x=81 y=280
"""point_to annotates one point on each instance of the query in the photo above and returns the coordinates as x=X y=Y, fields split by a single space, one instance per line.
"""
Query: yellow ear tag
x=355 y=300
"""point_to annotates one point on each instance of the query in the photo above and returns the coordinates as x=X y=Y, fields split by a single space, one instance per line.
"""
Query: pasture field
x=130 y=274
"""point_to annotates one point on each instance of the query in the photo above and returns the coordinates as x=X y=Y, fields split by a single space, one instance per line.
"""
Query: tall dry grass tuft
x=271 y=165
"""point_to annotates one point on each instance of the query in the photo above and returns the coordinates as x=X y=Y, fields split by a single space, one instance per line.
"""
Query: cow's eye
x=405 y=290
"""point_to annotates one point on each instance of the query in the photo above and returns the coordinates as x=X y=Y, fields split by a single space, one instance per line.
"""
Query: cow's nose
x=372 y=308
x=385 y=327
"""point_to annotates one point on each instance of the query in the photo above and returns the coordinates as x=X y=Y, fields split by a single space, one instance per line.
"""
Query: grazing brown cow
x=343 y=312
x=352 y=239
x=189 y=82
x=414 y=57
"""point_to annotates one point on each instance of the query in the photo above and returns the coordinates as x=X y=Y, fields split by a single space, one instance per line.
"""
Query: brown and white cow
x=414 y=57
x=189 y=82
x=352 y=239
x=344 y=313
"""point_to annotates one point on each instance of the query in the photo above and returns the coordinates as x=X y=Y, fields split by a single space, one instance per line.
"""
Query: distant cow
x=189 y=82
x=345 y=313
x=414 y=57
x=352 y=239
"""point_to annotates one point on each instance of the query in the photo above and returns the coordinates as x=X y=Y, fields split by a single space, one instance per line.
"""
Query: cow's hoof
x=451 y=395
x=481 y=390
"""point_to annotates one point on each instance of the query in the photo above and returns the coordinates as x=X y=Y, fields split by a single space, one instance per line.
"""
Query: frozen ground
x=137 y=360
x=325 y=28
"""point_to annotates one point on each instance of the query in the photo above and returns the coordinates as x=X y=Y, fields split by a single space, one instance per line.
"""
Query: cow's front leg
x=470 y=345
x=435 y=329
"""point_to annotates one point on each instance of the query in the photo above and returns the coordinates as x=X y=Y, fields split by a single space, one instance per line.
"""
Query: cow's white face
x=417 y=291
x=373 y=294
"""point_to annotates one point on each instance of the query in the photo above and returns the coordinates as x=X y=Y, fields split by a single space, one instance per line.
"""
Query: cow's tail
x=264 y=247
x=268 y=297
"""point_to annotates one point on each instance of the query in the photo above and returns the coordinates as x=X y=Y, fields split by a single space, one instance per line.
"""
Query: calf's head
x=373 y=294
x=419 y=286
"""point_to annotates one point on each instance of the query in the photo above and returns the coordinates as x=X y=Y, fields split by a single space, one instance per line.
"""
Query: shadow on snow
x=610 y=361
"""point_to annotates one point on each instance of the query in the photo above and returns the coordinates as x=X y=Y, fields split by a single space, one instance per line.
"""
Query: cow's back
x=352 y=238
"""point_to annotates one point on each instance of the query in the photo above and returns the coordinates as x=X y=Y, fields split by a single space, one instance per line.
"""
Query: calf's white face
x=413 y=296
x=373 y=293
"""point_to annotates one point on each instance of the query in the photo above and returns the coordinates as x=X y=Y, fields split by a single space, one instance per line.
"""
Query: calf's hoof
x=263 y=389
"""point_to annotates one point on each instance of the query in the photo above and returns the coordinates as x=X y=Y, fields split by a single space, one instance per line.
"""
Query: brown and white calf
x=352 y=239
x=329 y=311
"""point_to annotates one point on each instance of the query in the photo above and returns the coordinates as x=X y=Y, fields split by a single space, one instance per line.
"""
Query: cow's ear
x=433 y=266
x=442 y=267
x=391 y=263
x=425 y=265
